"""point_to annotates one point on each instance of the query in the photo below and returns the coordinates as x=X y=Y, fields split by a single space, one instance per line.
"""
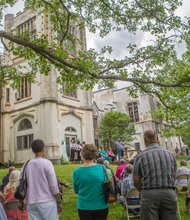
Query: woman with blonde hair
x=9 y=191
x=11 y=186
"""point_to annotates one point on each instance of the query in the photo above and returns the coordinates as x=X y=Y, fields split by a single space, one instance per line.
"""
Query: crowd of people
x=153 y=172
x=75 y=149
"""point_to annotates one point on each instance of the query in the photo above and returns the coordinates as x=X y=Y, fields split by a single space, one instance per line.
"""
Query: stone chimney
x=9 y=20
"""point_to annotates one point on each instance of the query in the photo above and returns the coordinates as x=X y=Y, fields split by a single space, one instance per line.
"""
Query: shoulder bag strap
x=105 y=172
x=24 y=170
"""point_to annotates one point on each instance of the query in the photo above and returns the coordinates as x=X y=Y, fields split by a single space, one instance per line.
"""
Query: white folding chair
x=133 y=193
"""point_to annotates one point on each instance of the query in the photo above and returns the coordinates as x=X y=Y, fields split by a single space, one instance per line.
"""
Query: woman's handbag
x=21 y=189
x=110 y=194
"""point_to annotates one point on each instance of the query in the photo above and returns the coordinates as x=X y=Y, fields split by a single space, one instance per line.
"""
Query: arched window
x=24 y=134
x=70 y=129
x=24 y=125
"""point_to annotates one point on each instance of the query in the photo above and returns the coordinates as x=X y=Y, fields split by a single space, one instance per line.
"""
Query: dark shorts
x=93 y=214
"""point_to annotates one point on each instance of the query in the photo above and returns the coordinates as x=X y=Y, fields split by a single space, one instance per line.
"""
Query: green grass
x=69 y=212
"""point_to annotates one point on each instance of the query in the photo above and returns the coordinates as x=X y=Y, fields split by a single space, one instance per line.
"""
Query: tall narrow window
x=96 y=142
x=133 y=111
x=24 y=90
x=7 y=95
x=95 y=122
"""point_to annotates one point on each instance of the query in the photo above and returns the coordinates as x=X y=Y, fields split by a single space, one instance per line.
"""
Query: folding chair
x=132 y=194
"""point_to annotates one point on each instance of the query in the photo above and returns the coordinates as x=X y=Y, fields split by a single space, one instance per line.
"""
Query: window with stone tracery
x=24 y=89
x=24 y=134
x=28 y=27
x=133 y=111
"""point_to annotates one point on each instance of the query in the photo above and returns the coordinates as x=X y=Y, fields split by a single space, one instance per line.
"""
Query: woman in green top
x=88 y=184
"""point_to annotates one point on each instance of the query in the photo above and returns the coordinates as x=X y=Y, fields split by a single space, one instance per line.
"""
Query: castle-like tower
x=44 y=109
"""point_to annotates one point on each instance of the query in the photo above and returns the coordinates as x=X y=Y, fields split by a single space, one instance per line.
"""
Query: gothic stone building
x=140 y=111
x=44 y=109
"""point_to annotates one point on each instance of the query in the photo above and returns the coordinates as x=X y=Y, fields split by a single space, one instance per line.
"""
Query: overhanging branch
x=63 y=63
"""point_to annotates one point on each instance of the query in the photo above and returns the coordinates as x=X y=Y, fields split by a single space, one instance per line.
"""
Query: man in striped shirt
x=154 y=174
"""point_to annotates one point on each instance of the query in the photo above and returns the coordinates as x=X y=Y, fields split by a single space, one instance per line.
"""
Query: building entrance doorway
x=68 y=139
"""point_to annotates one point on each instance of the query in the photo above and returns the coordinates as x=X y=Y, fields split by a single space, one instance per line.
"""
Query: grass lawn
x=64 y=173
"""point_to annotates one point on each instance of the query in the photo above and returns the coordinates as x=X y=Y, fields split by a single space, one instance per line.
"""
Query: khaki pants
x=158 y=204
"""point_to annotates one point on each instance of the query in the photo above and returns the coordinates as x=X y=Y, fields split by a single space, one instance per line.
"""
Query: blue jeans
x=43 y=211
x=120 y=154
